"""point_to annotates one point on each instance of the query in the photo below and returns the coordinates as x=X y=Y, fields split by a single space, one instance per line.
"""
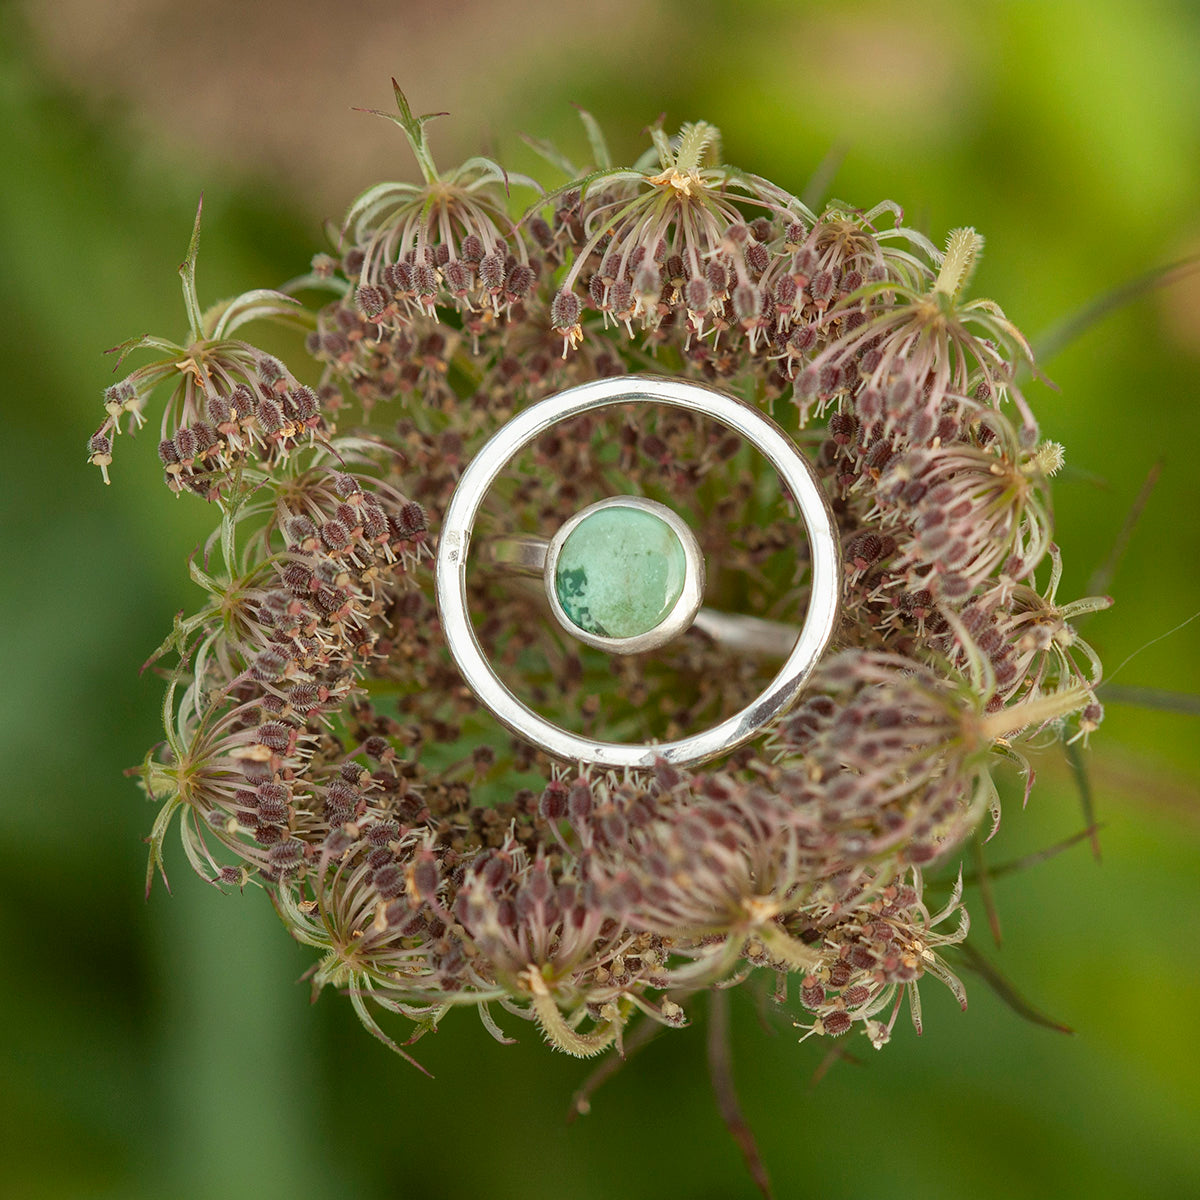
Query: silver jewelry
x=682 y=589
x=749 y=636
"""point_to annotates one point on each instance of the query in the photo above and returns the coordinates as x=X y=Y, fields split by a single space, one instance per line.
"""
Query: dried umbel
x=320 y=743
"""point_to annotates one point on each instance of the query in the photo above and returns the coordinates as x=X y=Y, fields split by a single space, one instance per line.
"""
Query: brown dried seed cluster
x=319 y=741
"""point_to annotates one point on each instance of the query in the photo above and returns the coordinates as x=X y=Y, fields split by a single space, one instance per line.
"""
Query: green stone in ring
x=620 y=572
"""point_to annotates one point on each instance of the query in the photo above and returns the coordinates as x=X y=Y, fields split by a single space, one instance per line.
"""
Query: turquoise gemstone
x=620 y=572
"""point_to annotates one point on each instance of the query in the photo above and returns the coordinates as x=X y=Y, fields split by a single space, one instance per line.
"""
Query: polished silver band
x=806 y=648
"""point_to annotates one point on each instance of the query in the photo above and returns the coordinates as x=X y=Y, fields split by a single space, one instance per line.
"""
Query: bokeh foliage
x=166 y=1049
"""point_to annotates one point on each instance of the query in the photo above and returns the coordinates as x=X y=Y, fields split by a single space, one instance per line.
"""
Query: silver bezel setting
x=682 y=613
x=455 y=542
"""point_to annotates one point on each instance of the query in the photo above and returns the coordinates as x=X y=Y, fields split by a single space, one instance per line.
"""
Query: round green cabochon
x=620 y=572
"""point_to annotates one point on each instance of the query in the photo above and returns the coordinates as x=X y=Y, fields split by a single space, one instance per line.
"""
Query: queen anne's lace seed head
x=319 y=741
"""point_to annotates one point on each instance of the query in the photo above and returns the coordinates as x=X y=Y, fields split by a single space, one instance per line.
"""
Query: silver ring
x=510 y=439
x=752 y=637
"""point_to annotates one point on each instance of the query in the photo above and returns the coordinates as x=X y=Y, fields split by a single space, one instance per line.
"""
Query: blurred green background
x=166 y=1048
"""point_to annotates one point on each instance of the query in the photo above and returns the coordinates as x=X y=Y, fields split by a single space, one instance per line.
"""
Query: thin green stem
x=187 y=272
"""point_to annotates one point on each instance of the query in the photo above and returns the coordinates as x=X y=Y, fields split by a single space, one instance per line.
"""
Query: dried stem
x=720 y=1071
x=642 y=1036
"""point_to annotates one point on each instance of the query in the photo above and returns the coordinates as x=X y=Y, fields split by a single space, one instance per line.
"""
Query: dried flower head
x=447 y=240
x=319 y=742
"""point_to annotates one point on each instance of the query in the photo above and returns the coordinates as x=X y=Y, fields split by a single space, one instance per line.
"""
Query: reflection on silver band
x=749 y=636
x=523 y=552
x=510 y=439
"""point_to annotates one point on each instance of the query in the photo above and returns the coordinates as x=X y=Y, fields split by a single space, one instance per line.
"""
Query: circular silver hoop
x=481 y=473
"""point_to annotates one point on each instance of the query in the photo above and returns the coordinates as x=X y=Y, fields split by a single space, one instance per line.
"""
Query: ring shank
x=525 y=553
